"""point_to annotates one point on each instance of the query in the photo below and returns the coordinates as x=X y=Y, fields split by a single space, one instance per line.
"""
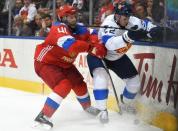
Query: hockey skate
x=128 y=107
x=92 y=110
x=42 y=121
x=103 y=117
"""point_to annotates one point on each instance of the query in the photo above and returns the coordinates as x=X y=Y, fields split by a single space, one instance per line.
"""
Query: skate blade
x=41 y=127
x=92 y=113
x=102 y=121
x=120 y=111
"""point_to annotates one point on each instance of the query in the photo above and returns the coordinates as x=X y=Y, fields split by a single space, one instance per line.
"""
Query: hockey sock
x=82 y=95
x=132 y=87
x=51 y=105
x=100 y=89
x=101 y=97
x=84 y=101
x=128 y=96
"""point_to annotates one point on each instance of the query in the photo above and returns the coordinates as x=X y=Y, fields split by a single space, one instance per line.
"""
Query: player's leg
x=54 y=77
x=83 y=97
x=100 y=89
x=125 y=69
x=80 y=89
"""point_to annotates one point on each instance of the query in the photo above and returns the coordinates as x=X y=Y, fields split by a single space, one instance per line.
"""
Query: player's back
x=54 y=48
x=113 y=29
x=58 y=30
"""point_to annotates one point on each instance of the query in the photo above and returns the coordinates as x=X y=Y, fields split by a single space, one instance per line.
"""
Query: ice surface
x=18 y=110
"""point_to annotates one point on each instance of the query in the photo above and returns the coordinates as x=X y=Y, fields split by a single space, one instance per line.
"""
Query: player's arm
x=110 y=39
x=93 y=36
x=74 y=47
x=139 y=24
x=120 y=43
x=154 y=32
x=79 y=46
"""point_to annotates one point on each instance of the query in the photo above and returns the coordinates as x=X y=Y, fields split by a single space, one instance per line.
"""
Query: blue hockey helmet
x=123 y=9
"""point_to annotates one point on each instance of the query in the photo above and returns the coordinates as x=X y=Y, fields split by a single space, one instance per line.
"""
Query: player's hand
x=157 y=33
x=97 y=50
x=135 y=35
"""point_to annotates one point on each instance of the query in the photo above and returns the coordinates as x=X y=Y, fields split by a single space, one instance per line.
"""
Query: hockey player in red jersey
x=54 y=62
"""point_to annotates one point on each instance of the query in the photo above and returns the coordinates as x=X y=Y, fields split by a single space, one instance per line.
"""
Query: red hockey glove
x=97 y=50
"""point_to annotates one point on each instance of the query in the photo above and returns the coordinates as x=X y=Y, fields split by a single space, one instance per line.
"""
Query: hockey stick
x=93 y=26
x=113 y=86
x=136 y=121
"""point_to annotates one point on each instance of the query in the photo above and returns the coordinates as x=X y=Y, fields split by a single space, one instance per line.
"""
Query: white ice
x=18 y=110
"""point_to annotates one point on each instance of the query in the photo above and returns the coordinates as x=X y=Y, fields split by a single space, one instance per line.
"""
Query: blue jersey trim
x=68 y=43
x=105 y=38
x=80 y=30
x=128 y=94
x=145 y=22
x=57 y=23
x=101 y=94
x=52 y=103
x=94 y=32
x=84 y=100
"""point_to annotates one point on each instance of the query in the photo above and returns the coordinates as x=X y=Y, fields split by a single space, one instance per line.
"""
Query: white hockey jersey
x=112 y=37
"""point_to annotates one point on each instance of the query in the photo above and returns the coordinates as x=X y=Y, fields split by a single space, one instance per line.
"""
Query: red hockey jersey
x=62 y=45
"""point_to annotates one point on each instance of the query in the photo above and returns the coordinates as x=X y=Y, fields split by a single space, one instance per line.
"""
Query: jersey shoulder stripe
x=105 y=38
x=80 y=30
x=93 y=31
x=65 y=41
x=57 y=23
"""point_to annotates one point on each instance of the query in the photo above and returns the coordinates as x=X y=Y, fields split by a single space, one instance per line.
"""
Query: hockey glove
x=131 y=36
x=97 y=50
x=137 y=35
x=157 y=33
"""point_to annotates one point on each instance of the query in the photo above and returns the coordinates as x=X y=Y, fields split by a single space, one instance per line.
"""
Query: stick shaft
x=113 y=86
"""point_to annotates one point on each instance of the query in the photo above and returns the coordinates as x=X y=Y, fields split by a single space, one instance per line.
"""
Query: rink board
x=157 y=66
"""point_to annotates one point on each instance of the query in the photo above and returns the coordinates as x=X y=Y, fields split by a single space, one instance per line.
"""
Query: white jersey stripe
x=63 y=39
x=43 y=52
x=84 y=96
x=55 y=97
x=48 y=49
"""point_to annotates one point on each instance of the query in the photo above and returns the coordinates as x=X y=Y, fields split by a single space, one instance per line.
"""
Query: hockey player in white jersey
x=121 y=30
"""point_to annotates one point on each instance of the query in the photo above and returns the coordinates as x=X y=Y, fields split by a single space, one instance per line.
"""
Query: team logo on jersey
x=72 y=54
x=94 y=51
x=67 y=59
x=123 y=50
